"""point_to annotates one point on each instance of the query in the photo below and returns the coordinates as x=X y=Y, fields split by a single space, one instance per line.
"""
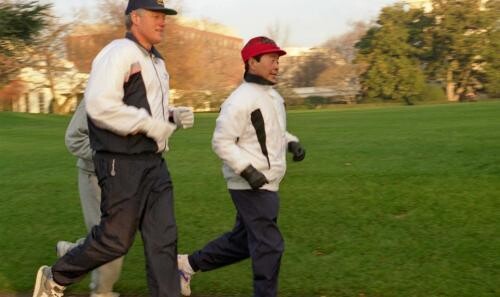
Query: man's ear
x=251 y=63
x=134 y=17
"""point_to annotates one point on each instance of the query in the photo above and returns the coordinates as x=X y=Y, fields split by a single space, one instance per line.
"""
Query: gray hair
x=128 y=18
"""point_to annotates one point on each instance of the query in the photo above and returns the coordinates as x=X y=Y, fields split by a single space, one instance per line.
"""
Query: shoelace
x=56 y=292
x=52 y=288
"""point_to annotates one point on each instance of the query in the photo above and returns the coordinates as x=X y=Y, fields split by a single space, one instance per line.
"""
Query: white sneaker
x=108 y=294
x=45 y=286
x=62 y=247
x=186 y=273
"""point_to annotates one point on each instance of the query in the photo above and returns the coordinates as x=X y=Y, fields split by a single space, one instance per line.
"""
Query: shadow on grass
x=86 y=295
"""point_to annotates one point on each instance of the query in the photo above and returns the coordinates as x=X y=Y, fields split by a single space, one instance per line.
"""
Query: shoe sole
x=38 y=282
x=186 y=289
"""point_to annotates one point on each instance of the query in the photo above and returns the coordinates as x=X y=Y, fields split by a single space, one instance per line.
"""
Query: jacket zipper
x=161 y=87
x=113 y=172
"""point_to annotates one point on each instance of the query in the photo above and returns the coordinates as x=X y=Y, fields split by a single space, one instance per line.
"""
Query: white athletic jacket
x=252 y=112
x=127 y=98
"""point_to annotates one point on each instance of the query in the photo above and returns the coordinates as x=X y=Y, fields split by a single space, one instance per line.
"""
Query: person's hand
x=296 y=149
x=160 y=131
x=183 y=117
x=254 y=177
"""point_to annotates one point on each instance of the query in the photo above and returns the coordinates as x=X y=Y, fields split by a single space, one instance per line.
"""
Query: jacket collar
x=252 y=78
x=153 y=50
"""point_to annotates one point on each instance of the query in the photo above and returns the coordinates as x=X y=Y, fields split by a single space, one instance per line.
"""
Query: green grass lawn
x=397 y=201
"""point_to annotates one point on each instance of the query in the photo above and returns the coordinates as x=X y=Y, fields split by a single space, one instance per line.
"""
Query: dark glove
x=296 y=149
x=254 y=177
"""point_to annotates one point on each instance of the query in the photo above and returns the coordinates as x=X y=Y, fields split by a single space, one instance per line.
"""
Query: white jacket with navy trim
x=235 y=139
x=127 y=97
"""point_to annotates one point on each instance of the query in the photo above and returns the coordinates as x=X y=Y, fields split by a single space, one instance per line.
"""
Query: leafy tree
x=393 y=70
x=492 y=52
x=20 y=23
x=455 y=44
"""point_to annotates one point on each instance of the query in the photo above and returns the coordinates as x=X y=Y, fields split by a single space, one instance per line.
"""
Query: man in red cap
x=130 y=123
x=251 y=139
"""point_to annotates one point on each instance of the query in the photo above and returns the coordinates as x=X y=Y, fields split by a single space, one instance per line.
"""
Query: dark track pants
x=136 y=195
x=255 y=234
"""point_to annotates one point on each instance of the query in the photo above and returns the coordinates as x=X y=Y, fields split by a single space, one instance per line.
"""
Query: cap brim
x=271 y=51
x=280 y=52
x=167 y=11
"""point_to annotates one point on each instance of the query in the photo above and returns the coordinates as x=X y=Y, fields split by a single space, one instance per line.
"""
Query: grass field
x=398 y=201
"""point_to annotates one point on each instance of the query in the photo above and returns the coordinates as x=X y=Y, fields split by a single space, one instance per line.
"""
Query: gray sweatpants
x=104 y=277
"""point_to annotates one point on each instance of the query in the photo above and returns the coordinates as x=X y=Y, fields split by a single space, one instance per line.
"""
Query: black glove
x=296 y=149
x=254 y=177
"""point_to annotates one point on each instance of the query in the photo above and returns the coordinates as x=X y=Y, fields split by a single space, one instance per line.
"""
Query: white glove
x=183 y=117
x=160 y=131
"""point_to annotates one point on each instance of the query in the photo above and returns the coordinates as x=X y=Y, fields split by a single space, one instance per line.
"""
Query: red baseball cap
x=258 y=46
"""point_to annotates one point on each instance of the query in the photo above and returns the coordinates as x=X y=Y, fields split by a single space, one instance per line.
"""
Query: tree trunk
x=464 y=83
x=407 y=101
x=450 y=86
x=51 y=80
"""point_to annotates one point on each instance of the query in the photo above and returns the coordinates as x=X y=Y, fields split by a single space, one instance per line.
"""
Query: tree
x=198 y=58
x=345 y=43
x=492 y=51
x=306 y=69
x=279 y=33
x=49 y=55
x=9 y=93
x=19 y=25
x=455 y=43
x=343 y=74
x=112 y=12
x=55 y=73
x=343 y=78
x=393 y=71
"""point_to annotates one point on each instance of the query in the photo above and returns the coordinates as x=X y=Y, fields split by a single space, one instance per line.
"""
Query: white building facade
x=37 y=95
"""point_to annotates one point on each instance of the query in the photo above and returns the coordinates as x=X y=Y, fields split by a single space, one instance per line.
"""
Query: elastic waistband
x=141 y=156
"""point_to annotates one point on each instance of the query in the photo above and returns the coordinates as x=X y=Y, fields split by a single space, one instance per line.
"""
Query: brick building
x=199 y=55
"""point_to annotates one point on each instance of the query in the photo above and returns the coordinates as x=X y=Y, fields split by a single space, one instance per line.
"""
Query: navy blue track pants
x=255 y=235
x=137 y=194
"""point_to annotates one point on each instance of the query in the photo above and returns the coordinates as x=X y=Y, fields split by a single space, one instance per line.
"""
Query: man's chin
x=272 y=79
x=157 y=40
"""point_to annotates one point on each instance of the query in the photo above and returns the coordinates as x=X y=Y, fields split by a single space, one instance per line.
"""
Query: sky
x=308 y=22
